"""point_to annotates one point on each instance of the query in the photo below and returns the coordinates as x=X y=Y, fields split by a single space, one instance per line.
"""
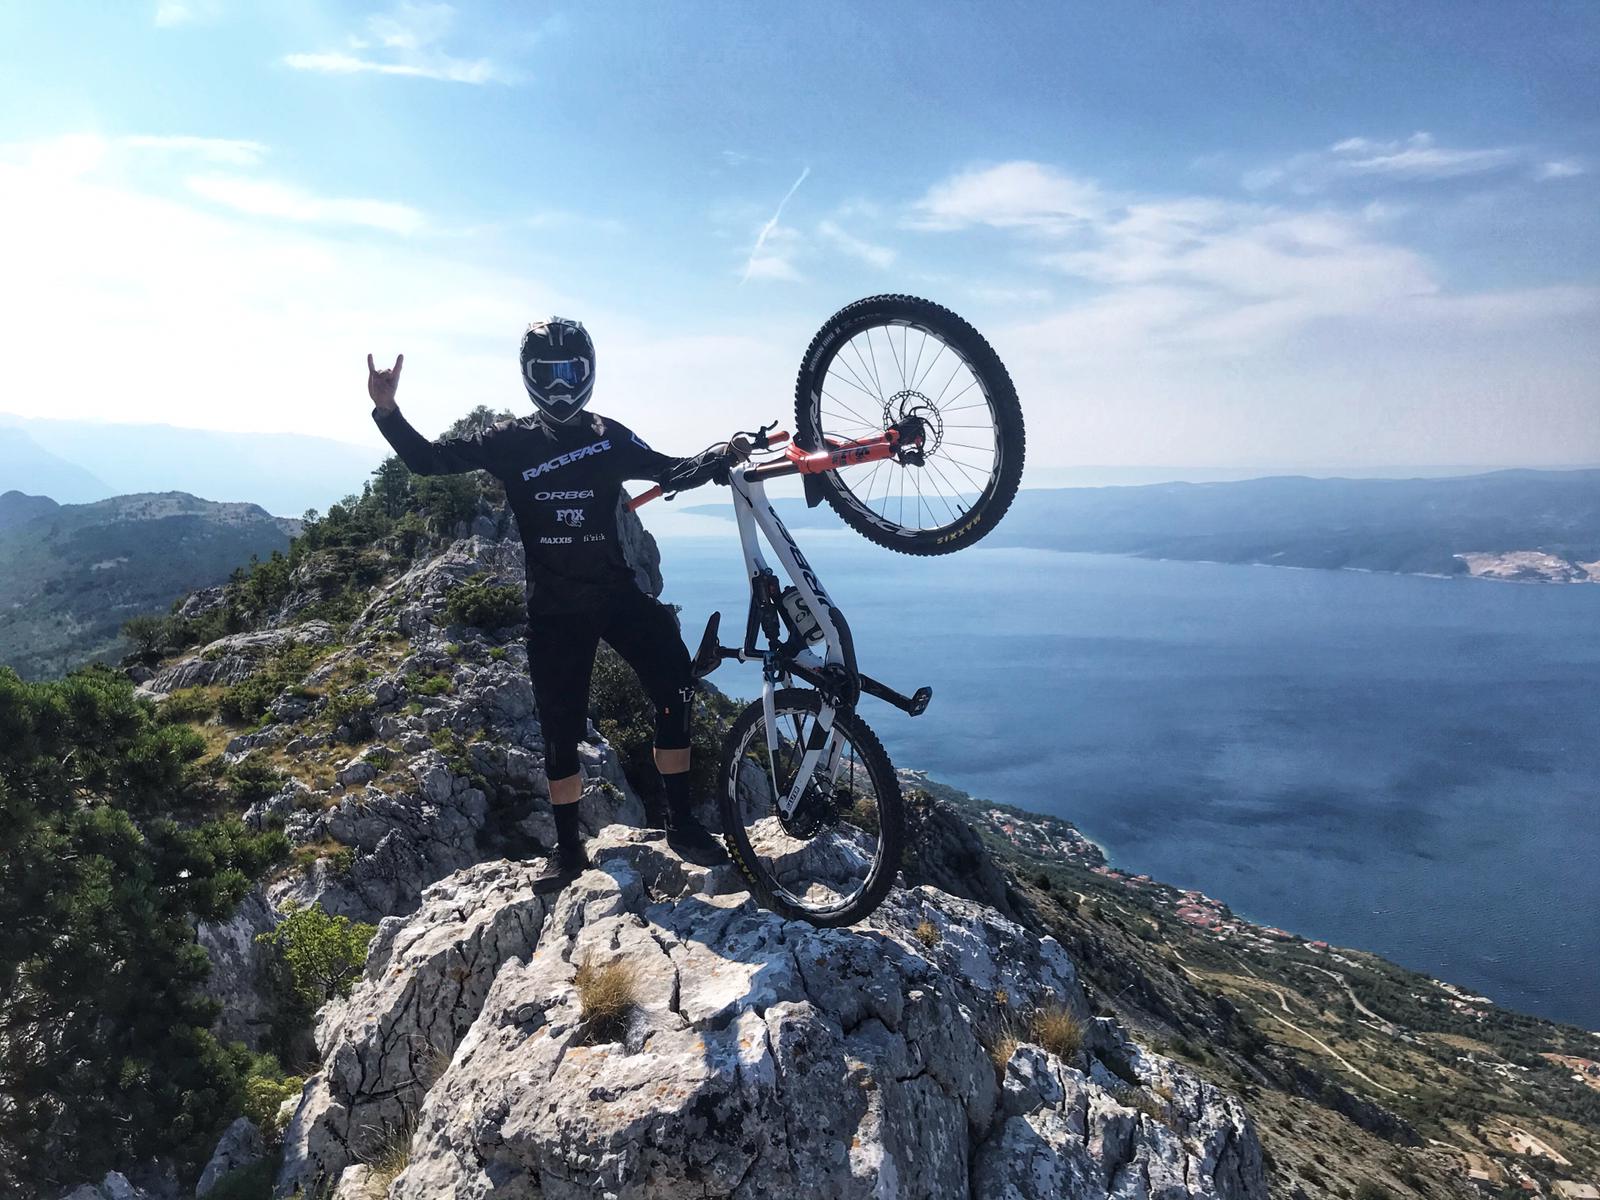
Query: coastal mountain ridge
x=80 y=461
x=1524 y=525
x=1020 y=1019
x=71 y=574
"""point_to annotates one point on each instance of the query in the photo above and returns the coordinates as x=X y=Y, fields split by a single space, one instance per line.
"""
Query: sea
x=1400 y=764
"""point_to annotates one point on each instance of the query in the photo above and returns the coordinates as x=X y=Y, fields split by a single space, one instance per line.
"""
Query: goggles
x=544 y=373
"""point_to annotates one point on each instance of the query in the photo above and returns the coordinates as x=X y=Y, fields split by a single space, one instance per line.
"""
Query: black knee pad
x=673 y=717
x=561 y=758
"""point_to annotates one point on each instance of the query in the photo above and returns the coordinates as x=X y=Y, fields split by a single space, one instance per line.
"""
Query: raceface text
x=572 y=456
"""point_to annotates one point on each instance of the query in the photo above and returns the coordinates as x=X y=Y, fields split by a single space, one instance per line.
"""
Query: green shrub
x=353 y=710
x=485 y=605
x=324 y=953
x=112 y=855
x=252 y=778
x=266 y=1087
x=148 y=633
x=431 y=685
x=187 y=706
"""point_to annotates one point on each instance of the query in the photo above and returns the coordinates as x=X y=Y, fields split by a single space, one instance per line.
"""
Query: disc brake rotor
x=818 y=811
x=909 y=405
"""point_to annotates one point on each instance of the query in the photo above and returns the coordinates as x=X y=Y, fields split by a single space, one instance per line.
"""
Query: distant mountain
x=71 y=574
x=1506 y=524
x=285 y=473
x=26 y=466
x=18 y=509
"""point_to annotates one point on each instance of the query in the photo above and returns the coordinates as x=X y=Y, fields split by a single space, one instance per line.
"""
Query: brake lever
x=759 y=439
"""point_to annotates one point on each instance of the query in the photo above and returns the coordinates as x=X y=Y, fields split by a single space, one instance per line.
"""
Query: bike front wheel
x=881 y=361
x=834 y=858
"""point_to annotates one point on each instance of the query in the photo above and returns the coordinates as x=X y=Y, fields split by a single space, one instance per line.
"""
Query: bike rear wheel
x=886 y=358
x=835 y=858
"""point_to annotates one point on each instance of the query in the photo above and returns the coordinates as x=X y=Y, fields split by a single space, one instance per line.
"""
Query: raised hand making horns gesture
x=381 y=384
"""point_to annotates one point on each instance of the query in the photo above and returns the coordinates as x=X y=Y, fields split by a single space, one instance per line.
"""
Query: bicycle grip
x=644 y=498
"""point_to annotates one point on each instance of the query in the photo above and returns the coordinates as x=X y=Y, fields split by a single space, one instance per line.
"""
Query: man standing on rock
x=563 y=470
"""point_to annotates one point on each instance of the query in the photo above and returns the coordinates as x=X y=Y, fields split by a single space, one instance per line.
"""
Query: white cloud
x=171 y=13
x=1415 y=159
x=774 y=255
x=121 y=304
x=267 y=198
x=868 y=252
x=1013 y=195
x=773 y=262
x=409 y=38
x=1201 y=329
x=231 y=152
x=1558 y=169
x=575 y=222
x=441 y=67
x=78 y=153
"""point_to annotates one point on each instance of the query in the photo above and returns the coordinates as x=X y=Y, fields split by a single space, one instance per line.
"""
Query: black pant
x=561 y=649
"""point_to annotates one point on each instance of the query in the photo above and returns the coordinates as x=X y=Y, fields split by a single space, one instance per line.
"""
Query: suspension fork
x=822 y=747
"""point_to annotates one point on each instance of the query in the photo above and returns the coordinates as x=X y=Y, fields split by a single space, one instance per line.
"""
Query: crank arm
x=914 y=705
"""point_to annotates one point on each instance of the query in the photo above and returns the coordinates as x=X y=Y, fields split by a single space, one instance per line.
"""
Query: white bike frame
x=754 y=512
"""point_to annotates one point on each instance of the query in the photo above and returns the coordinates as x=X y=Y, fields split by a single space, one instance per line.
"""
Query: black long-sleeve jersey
x=563 y=484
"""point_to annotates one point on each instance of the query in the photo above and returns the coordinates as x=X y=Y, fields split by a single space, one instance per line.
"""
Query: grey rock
x=241 y=1144
x=762 y=1057
x=237 y=960
x=202 y=601
x=236 y=657
x=356 y=771
x=424 y=984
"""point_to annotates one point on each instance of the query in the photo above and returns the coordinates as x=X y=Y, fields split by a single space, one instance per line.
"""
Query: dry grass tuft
x=927 y=933
x=392 y=1156
x=606 y=995
x=1001 y=1047
x=1058 y=1031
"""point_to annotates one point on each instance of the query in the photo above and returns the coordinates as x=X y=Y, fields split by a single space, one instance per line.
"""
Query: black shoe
x=694 y=841
x=560 y=869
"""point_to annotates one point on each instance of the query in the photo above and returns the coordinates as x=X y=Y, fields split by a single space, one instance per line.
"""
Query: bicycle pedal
x=709 y=656
x=919 y=701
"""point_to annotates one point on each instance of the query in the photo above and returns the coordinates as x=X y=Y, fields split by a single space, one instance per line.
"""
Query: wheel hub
x=909 y=406
x=817 y=812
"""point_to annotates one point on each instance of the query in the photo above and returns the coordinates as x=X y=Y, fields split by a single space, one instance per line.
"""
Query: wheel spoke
x=852 y=383
x=863 y=382
x=846 y=407
x=866 y=371
x=981 y=484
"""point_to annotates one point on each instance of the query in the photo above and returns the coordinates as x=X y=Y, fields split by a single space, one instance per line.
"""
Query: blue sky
x=1246 y=235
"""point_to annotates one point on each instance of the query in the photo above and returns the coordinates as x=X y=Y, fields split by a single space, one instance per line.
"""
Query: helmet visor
x=545 y=373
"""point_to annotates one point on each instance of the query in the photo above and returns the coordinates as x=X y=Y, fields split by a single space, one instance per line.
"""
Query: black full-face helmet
x=558 y=367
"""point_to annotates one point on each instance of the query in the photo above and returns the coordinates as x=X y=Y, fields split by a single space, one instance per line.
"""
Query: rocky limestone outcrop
x=234 y=658
x=762 y=1058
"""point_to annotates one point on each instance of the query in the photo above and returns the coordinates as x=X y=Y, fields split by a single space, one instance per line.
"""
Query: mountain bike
x=908 y=425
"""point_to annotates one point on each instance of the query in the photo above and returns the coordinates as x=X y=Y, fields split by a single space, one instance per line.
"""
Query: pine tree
x=112 y=850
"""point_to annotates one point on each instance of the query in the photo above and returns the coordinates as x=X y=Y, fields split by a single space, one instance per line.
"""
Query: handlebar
x=758 y=440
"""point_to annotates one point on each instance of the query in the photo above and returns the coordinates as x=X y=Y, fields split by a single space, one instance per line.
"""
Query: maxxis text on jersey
x=995 y=381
